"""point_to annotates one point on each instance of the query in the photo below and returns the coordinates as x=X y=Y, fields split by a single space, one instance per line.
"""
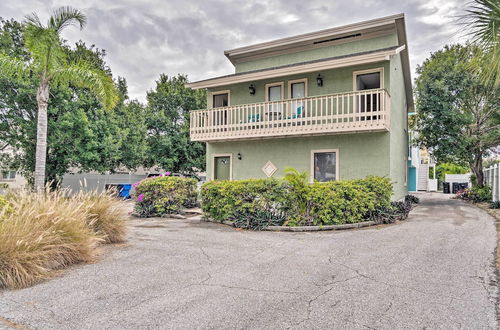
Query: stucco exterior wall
x=334 y=81
x=319 y=53
x=360 y=154
x=398 y=130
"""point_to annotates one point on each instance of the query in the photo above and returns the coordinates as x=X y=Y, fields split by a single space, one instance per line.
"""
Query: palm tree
x=482 y=22
x=50 y=65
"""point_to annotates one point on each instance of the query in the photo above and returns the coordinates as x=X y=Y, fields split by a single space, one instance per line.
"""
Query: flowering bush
x=475 y=194
x=164 y=194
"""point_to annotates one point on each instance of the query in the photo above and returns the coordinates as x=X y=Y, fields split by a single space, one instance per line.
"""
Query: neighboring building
x=333 y=103
x=89 y=181
x=10 y=177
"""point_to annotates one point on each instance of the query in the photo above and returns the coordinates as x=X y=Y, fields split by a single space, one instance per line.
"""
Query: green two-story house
x=333 y=103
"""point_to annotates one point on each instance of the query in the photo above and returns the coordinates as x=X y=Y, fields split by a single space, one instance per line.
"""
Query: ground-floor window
x=9 y=175
x=324 y=165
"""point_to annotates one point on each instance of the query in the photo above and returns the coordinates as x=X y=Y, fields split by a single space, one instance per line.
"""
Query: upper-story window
x=368 y=80
x=297 y=89
x=221 y=100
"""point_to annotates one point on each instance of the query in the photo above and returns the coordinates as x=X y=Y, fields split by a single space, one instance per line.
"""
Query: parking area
x=435 y=270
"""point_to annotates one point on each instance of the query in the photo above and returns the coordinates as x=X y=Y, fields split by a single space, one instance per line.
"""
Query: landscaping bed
x=285 y=204
x=288 y=204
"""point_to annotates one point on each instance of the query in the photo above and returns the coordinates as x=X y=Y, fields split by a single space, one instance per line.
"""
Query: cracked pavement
x=435 y=270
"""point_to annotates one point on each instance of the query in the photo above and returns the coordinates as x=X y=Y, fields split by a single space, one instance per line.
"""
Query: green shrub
x=338 y=202
x=475 y=194
x=228 y=200
x=256 y=203
x=164 y=195
x=480 y=194
x=495 y=205
x=381 y=187
x=412 y=199
x=395 y=211
x=259 y=219
x=449 y=168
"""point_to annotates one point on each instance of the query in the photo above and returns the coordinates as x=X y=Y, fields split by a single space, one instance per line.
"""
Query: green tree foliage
x=449 y=168
x=81 y=132
x=49 y=65
x=168 y=125
x=458 y=116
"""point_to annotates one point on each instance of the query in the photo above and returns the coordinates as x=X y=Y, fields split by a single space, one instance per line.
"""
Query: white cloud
x=145 y=38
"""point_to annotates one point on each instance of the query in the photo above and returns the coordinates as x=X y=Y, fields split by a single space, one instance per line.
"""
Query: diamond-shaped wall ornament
x=269 y=169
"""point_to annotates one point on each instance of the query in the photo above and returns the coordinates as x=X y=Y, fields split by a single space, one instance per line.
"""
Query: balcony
x=359 y=111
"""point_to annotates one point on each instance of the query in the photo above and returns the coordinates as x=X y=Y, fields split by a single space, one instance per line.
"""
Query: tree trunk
x=477 y=169
x=42 y=99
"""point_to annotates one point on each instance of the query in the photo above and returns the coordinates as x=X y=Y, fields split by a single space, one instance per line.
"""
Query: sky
x=144 y=38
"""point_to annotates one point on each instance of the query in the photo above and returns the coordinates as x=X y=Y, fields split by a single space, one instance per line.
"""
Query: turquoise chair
x=252 y=119
x=298 y=112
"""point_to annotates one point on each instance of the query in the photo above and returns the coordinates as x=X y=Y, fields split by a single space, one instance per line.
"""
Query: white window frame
x=290 y=82
x=281 y=84
x=357 y=73
x=337 y=164
x=227 y=91
x=8 y=178
x=212 y=171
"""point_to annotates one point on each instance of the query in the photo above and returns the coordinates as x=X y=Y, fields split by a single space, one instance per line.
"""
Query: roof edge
x=313 y=35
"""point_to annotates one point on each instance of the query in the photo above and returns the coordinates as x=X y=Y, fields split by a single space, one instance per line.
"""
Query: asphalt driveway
x=436 y=270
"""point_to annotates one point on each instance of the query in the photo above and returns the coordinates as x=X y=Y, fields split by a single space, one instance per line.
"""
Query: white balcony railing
x=367 y=110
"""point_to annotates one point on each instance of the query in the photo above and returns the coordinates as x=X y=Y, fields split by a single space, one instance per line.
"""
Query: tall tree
x=49 y=65
x=168 y=125
x=81 y=134
x=458 y=117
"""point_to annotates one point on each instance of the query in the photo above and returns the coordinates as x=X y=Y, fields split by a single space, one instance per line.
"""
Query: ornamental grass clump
x=105 y=215
x=163 y=195
x=43 y=233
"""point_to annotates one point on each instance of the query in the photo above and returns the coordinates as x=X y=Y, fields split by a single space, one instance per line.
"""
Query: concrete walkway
x=436 y=270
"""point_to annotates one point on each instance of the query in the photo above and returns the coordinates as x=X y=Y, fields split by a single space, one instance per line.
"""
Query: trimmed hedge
x=227 y=200
x=333 y=203
x=159 y=196
x=326 y=203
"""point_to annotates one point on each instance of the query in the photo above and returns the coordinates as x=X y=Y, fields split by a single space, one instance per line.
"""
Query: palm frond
x=66 y=16
x=13 y=67
x=482 y=23
x=84 y=75
x=34 y=20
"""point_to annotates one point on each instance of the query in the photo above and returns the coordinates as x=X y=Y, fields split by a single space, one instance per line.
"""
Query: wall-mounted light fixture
x=319 y=80
x=251 y=89
x=239 y=156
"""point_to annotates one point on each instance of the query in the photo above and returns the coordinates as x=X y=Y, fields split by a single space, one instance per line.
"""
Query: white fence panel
x=492 y=179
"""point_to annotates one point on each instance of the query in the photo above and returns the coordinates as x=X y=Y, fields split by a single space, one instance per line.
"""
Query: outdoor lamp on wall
x=319 y=80
x=251 y=89
x=239 y=156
